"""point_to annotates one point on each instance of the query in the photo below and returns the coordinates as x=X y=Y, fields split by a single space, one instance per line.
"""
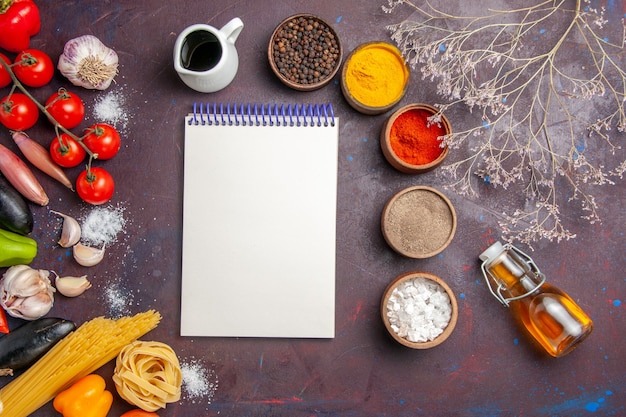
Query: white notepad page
x=259 y=228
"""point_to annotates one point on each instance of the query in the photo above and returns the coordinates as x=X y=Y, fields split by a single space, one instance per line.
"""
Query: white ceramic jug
x=205 y=58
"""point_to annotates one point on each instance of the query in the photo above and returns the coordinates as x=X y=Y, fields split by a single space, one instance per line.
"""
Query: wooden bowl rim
x=357 y=105
x=399 y=194
x=453 y=317
x=391 y=156
x=297 y=86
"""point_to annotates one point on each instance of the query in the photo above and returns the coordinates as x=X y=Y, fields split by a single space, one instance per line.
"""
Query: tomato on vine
x=67 y=109
x=18 y=112
x=95 y=185
x=66 y=151
x=102 y=139
x=33 y=68
x=5 y=77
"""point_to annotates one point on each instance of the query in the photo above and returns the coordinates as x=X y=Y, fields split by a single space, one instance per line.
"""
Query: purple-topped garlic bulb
x=26 y=293
x=88 y=63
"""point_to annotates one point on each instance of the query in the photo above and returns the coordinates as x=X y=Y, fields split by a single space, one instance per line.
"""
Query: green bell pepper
x=16 y=249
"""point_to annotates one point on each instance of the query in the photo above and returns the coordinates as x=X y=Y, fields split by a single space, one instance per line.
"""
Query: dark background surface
x=486 y=368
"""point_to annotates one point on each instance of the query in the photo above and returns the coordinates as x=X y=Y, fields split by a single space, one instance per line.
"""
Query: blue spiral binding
x=298 y=123
x=227 y=114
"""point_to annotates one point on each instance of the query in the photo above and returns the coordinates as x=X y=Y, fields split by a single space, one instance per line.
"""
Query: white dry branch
x=542 y=115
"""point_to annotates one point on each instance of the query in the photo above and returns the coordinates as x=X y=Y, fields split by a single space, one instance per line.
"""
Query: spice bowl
x=411 y=141
x=304 y=52
x=419 y=310
x=418 y=222
x=374 y=78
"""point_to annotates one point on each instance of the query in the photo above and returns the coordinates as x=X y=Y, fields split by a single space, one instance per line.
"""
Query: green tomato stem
x=4 y=5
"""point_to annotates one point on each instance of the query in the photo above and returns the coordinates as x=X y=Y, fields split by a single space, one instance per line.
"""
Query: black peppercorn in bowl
x=304 y=52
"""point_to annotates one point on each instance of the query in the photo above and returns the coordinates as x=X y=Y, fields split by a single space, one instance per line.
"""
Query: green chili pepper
x=16 y=249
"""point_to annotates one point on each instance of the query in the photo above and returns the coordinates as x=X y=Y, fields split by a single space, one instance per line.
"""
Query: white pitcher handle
x=232 y=29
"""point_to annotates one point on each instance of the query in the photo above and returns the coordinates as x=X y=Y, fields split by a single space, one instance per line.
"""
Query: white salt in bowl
x=419 y=310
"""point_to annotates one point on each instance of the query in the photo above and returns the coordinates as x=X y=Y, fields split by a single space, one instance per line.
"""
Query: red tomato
x=66 y=108
x=18 y=22
x=95 y=186
x=66 y=152
x=33 y=68
x=139 y=413
x=102 y=139
x=5 y=78
x=18 y=112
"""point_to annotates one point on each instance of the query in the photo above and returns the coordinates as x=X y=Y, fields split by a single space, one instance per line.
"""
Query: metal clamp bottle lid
x=516 y=262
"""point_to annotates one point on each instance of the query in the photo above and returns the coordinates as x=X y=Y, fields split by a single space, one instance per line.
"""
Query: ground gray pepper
x=305 y=50
x=419 y=222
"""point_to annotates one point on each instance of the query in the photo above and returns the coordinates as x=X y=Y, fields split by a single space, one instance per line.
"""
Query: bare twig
x=529 y=101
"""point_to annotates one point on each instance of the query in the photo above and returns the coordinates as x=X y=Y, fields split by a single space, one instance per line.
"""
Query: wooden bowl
x=418 y=222
x=423 y=325
x=297 y=78
x=419 y=164
x=390 y=56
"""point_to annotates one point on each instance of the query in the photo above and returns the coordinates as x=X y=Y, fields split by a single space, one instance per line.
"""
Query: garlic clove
x=12 y=277
x=70 y=234
x=72 y=286
x=32 y=308
x=23 y=281
x=26 y=292
x=87 y=255
x=30 y=283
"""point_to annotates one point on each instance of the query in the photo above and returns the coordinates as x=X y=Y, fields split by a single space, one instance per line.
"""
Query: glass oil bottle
x=547 y=313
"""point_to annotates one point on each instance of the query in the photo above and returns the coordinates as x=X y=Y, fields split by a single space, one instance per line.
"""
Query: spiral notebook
x=259 y=221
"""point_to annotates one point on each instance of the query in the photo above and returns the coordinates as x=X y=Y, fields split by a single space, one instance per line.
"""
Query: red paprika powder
x=414 y=140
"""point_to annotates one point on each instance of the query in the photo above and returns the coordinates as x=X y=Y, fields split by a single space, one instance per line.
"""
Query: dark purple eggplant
x=23 y=346
x=15 y=215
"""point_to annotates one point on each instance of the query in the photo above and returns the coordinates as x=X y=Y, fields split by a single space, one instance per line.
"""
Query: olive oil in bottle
x=548 y=314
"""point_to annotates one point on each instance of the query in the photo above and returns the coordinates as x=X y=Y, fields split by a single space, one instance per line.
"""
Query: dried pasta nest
x=148 y=375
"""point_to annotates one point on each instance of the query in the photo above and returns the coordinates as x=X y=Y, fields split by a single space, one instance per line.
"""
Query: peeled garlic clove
x=87 y=255
x=72 y=286
x=70 y=234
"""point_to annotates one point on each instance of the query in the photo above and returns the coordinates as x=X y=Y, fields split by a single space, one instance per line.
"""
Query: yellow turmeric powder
x=376 y=74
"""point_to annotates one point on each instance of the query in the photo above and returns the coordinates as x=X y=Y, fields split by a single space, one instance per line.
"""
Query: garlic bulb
x=72 y=286
x=87 y=255
x=26 y=293
x=70 y=234
x=88 y=63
